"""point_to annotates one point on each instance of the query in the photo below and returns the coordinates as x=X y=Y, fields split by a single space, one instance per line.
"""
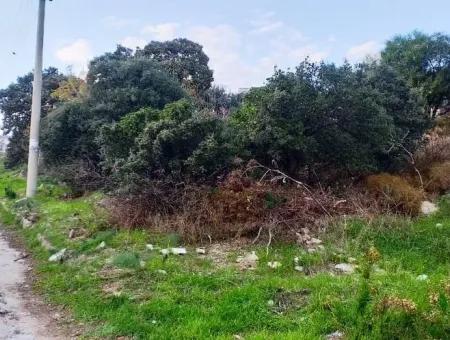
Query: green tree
x=71 y=89
x=15 y=104
x=117 y=84
x=176 y=143
x=185 y=60
x=121 y=84
x=220 y=101
x=424 y=61
x=322 y=116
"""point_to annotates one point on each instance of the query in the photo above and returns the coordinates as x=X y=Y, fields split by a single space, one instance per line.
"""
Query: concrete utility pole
x=33 y=154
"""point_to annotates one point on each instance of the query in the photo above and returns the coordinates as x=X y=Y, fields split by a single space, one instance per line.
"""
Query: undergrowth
x=124 y=289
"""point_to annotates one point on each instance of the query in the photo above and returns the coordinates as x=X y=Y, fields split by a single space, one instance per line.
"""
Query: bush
x=10 y=193
x=396 y=192
x=442 y=127
x=175 y=144
x=126 y=260
x=439 y=177
x=323 y=116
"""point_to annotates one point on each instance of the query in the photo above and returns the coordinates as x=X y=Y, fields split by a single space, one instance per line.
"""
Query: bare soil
x=23 y=315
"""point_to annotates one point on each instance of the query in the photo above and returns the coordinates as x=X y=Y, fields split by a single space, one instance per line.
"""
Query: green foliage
x=185 y=60
x=205 y=300
x=126 y=260
x=120 y=86
x=220 y=101
x=424 y=61
x=15 y=105
x=117 y=84
x=10 y=193
x=322 y=115
x=69 y=133
x=176 y=142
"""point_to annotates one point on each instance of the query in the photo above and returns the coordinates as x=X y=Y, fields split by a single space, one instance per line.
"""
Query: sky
x=244 y=39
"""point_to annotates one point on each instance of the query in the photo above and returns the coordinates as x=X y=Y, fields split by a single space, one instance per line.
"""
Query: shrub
x=127 y=260
x=435 y=150
x=397 y=193
x=439 y=177
x=174 y=144
x=324 y=116
x=442 y=127
x=10 y=193
x=239 y=206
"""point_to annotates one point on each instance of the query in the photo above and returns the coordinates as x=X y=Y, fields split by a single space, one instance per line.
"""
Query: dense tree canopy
x=176 y=142
x=154 y=115
x=424 y=60
x=15 y=104
x=117 y=84
x=185 y=60
x=323 y=115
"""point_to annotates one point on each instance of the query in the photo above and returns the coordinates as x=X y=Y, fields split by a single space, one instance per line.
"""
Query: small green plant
x=127 y=260
x=10 y=193
x=272 y=201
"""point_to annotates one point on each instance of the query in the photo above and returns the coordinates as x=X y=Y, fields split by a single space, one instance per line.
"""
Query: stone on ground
x=428 y=208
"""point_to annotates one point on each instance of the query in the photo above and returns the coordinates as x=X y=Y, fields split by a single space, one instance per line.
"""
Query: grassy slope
x=198 y=300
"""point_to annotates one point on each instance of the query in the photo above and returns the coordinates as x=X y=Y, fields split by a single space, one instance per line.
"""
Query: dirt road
x=18 y=313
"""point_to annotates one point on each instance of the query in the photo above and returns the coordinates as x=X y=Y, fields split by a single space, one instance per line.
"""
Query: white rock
x=248 y=261
x=165 y=251
x=150 y=247
x=161 y=271
x=378 y=270
x=178 y=251
x=311 y=250
x=428 y=208
x=201 y=251
x=59 y=256
x=345 y=268
x=335 y=336
x=72 y=233
x=274 y=264
x=296 y=260
x=101 y=245
x=422 y=277
x=26 y=223
x=299 y=268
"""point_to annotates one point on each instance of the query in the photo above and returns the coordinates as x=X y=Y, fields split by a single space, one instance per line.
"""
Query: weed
x=127 y=260
x=10 y=193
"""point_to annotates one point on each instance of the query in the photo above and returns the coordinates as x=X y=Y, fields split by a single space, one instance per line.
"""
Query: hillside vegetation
x=399 y=289
x=316 y=205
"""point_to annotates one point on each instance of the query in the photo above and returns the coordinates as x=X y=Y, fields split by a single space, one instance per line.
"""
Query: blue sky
x=244 y=39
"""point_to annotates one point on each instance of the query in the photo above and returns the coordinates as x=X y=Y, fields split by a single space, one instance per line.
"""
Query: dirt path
x=19 y=318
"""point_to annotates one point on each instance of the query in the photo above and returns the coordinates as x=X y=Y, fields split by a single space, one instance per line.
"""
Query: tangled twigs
x=283 y=176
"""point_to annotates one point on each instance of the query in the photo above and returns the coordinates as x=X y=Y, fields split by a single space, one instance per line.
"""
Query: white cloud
x=268 y=27
x=76 y=55
x=222 y=44
x=133 y=42
x=357 y=53
x=165 y=31
x=239 y=59
x=116 y=22
x=265 y=23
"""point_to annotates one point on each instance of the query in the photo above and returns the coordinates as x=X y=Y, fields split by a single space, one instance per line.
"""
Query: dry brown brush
x=255 y=202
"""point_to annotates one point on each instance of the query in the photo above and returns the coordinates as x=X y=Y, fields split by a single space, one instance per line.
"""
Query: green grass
x=196 y=299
